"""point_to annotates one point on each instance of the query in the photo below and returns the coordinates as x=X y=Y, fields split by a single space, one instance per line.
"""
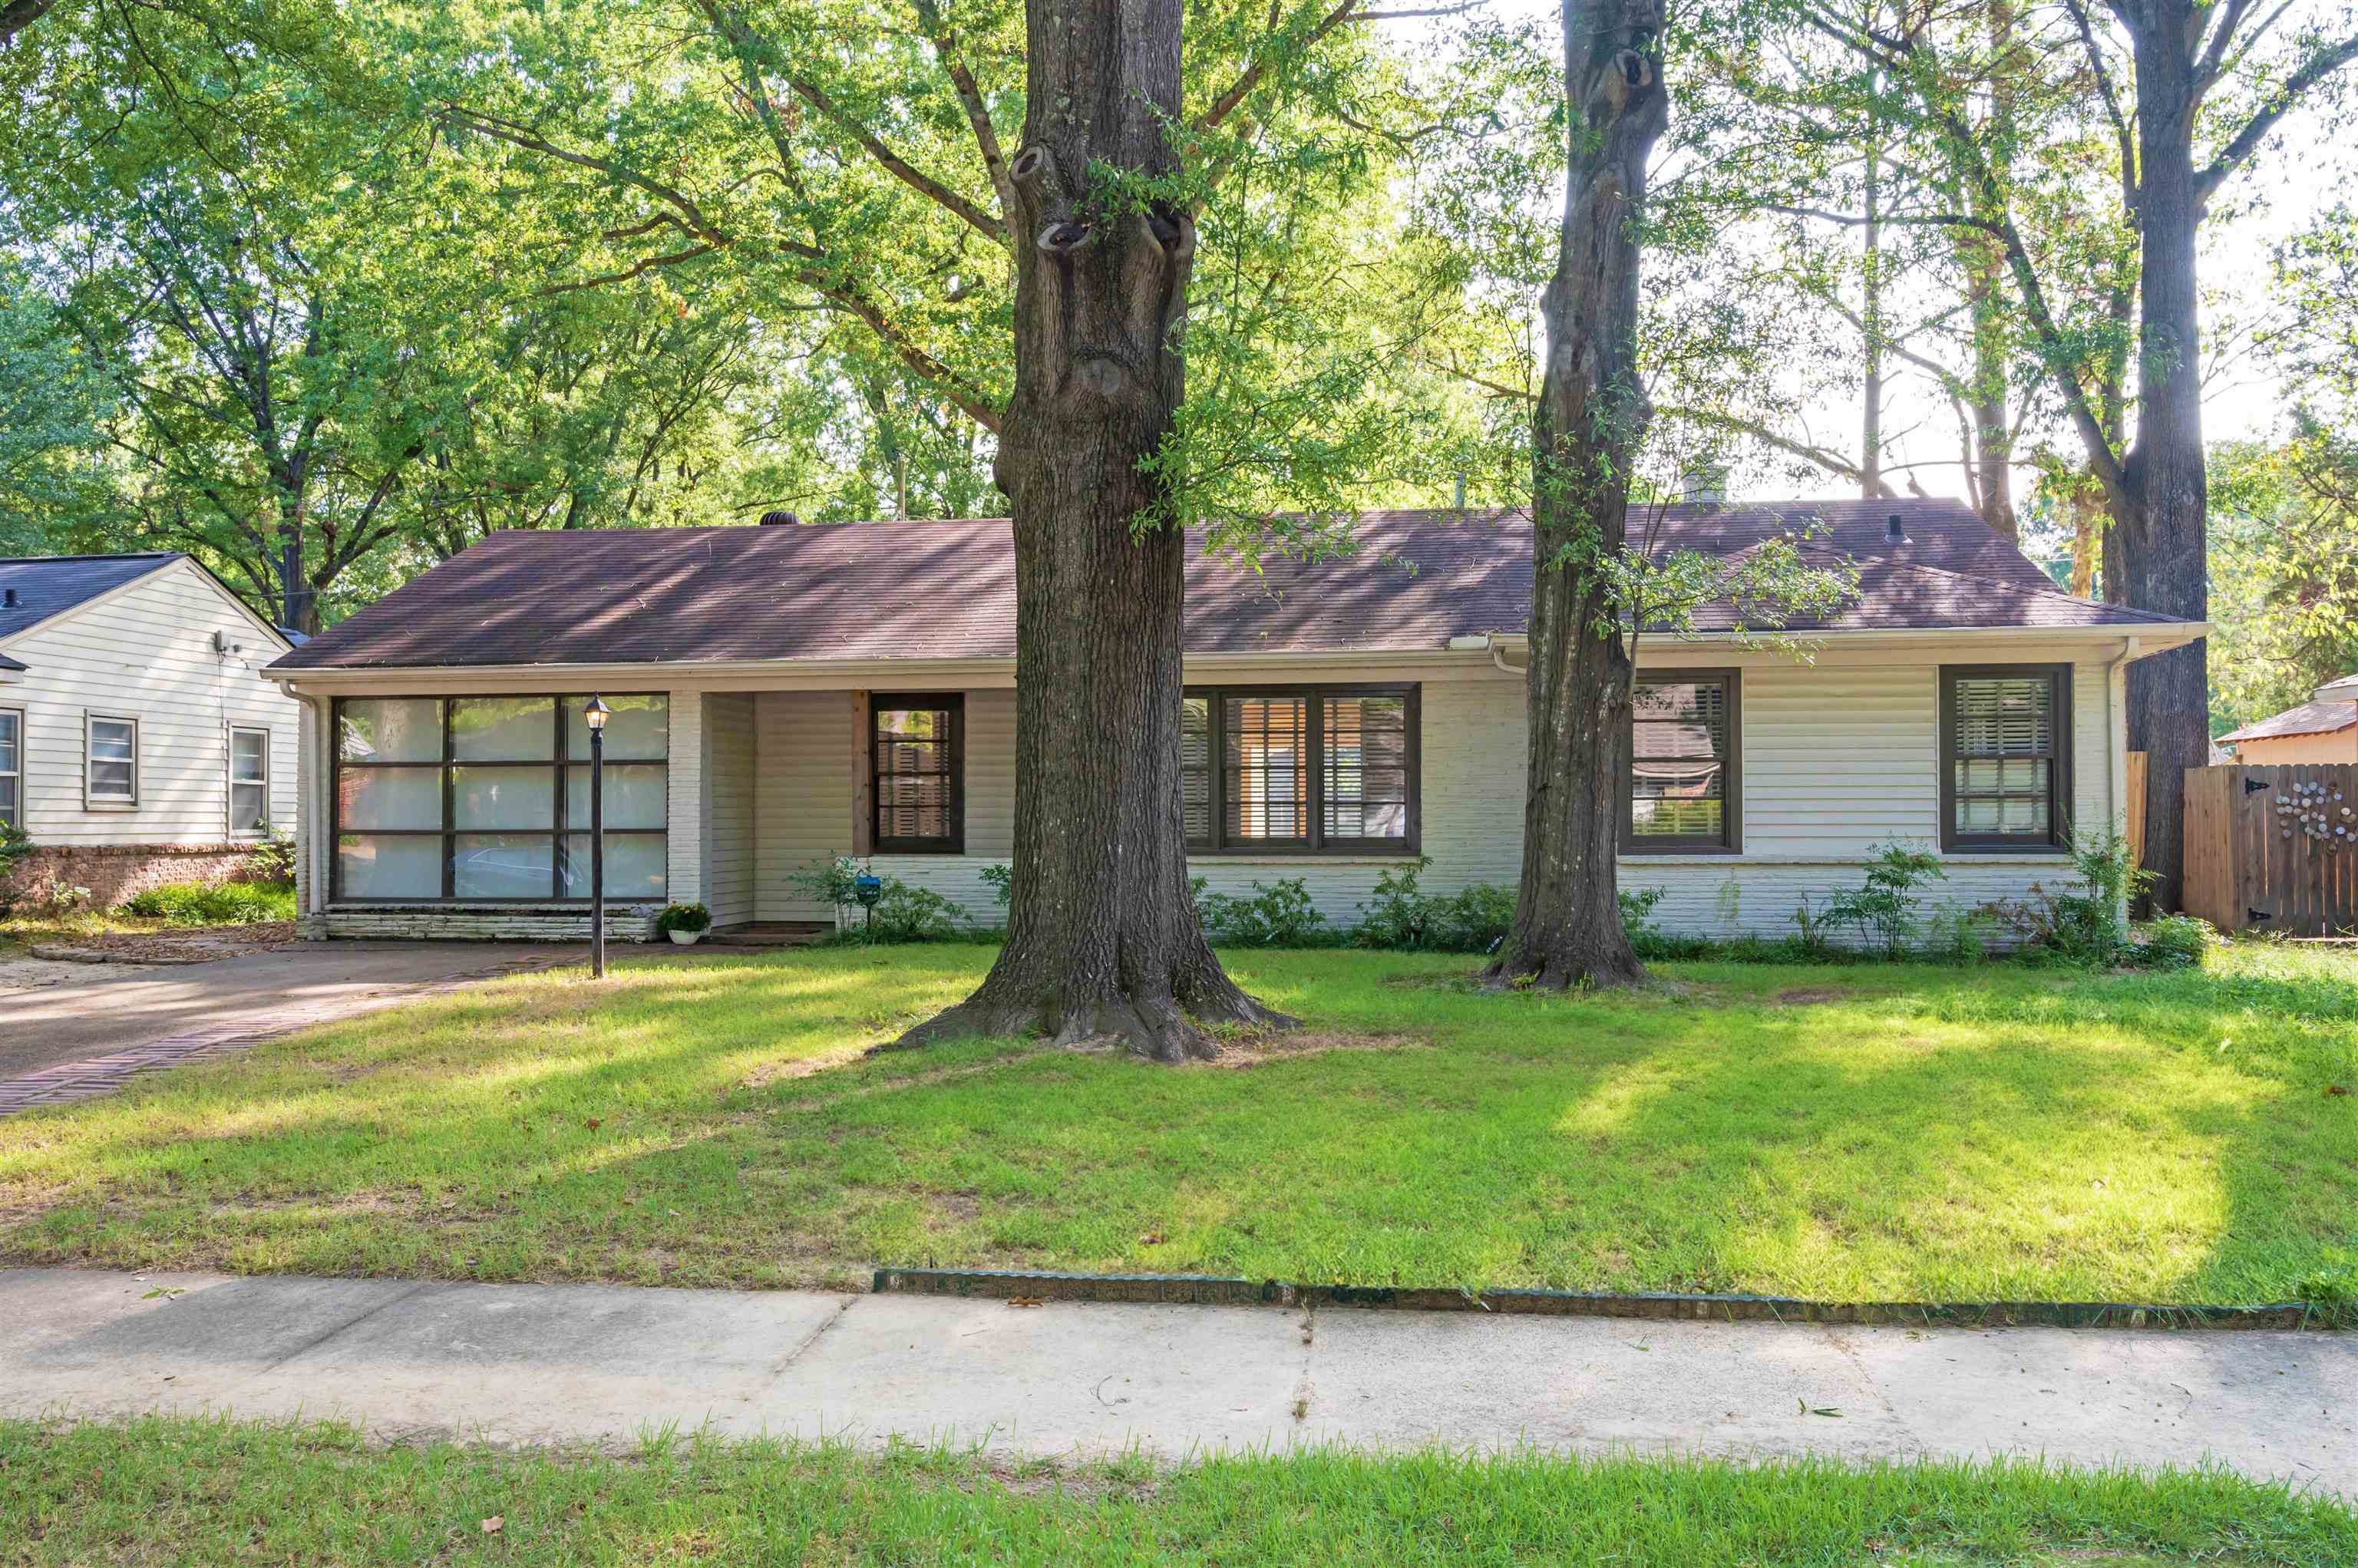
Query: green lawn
x=159 y=1491
x=1862 y=1132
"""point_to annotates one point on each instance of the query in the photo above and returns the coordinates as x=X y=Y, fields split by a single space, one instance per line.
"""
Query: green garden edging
x=1213 y=1290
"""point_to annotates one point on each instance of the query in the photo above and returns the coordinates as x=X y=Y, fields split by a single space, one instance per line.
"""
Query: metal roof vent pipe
x=780 y=519
x=1894 y=529
x=1704 y=484
x=7 y=598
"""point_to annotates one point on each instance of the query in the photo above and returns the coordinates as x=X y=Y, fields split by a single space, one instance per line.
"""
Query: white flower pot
x=687 y=938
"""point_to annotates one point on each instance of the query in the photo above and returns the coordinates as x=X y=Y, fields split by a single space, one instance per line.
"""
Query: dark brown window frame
x=1731 y=836
x=449 y=833
x=2057 y=840
x=1317 y=843
x=884 y=702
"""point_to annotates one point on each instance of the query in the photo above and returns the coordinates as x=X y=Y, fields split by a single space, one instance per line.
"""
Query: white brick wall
x=489 y=923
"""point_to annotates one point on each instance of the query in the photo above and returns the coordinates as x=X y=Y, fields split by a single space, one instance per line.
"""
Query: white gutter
x=2116 y=726
x=925 y=674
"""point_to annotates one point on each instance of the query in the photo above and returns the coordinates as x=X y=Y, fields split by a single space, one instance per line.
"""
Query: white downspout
x=1489 y=640
x=310 y=787
x=2116 y=723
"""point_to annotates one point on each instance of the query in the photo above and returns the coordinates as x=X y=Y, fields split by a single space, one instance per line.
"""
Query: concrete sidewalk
x=588 y=1363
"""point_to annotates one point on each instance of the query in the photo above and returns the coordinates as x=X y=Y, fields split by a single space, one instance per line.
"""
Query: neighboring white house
x=786 y=692
x=139 y=740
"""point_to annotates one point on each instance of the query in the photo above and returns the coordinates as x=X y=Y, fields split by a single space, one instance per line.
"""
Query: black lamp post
x=595 y=716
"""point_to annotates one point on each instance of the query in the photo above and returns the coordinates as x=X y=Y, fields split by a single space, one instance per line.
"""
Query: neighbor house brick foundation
x=113 y=873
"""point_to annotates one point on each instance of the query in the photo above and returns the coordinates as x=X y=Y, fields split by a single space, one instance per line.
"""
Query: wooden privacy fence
x=2273 y=848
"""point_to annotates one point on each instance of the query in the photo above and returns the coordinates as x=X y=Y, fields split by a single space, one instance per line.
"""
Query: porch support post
x=863 y=782
x=689 y=821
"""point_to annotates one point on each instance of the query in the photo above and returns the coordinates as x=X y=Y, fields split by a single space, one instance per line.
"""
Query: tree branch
x=2122 y=134
x=753 y=50
x=2318 y=67
x=1832 y=461
x=1240 y=90
x=978 y=113
x=19 y=14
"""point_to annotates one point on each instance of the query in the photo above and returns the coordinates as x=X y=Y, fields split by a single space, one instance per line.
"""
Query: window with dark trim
x=916 y=759
x=1300 y=770
x=487 y=798
x=2006 y=773
x=1685 y=767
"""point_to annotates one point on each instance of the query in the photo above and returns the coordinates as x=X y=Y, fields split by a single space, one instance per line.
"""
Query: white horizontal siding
x=146 y=653
x=1838 y=759
x=805 y=781
x=728 y=837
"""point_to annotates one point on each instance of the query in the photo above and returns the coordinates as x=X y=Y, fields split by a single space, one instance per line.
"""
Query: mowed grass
x=201 y=1492
x=1867 y=1132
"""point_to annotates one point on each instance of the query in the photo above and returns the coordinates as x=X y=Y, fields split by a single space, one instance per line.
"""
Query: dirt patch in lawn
x=1810 y=996
x=1258 y=1050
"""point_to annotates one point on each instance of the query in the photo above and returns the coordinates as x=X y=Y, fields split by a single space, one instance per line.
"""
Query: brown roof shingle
x=946 y=589
x=2308 y=719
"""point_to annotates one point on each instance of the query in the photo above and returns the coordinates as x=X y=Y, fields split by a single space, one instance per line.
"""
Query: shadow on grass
x=1924 y=1136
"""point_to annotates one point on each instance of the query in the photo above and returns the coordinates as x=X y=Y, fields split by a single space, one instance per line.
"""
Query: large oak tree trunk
x=1103 y=939
x=2163 y=553
x=1567 y=927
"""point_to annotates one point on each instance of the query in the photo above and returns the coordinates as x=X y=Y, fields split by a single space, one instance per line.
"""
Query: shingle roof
x=2308 y=719
x=946 y=589
x=47 y=584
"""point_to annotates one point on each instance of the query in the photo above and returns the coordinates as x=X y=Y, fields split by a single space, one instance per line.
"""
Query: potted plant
x=685 y=923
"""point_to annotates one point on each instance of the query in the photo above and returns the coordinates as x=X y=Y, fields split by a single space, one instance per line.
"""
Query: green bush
x=2085 y=923
x=211 y=903
x=1269 y=916
x=1885 y=909
x=2173 y=942
x=902 y=912
x=1400 y=917
x=272 y=862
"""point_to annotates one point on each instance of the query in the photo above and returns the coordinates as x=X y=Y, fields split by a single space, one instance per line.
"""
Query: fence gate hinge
x=2254 y=786
x=2259 y=914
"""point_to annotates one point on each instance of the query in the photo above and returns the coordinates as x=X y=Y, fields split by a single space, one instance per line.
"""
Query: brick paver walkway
x=103 y=1075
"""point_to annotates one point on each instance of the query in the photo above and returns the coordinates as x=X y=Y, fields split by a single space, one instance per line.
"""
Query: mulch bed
x=195 y=945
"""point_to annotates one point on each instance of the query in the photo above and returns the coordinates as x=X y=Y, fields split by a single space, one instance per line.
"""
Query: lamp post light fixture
x=595 y=716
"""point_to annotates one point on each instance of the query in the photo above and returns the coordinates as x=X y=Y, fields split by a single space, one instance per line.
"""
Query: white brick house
x=794 y=692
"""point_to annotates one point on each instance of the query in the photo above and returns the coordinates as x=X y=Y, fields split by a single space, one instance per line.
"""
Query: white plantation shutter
x=2004 y=740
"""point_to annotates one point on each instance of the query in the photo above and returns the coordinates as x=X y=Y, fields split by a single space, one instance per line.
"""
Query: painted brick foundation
x=482 y=922
x=113 y=873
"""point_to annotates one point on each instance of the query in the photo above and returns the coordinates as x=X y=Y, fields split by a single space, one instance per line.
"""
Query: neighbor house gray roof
x=47 y=584
x=946 y=589
x=2308 y=719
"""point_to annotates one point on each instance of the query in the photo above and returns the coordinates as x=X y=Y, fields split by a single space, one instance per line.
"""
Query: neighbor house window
x=12 y=767
x=2005 y=757
x=1683 y=764
x=111 y=761
x=249 y=779
x=487 y=798
x=1300 y=770
x=916 y=758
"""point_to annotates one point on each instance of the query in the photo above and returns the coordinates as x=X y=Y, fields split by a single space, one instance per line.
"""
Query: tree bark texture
x=1103 y=940
x=1591 y=415
x=2163 y=553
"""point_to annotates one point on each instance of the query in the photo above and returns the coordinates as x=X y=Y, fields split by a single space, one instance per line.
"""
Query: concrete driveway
x=105 y=1008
